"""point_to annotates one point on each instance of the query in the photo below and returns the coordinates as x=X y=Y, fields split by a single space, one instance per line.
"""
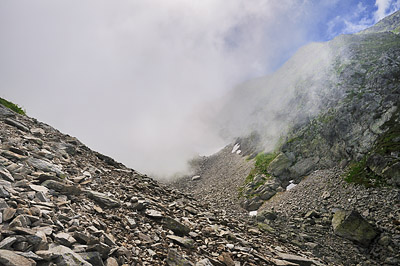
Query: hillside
x=328 y=120
x=315 y=157
x=63 y=204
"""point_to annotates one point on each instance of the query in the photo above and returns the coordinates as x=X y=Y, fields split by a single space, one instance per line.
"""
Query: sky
x=135 y=79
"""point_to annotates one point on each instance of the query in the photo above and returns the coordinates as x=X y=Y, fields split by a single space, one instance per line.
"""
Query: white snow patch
x=238 y=152
x=291 y=185
x=236 y=147
x=253 y=213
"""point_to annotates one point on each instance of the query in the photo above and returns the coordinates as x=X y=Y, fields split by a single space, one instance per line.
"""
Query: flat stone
x=283 y=263
x=45 y=166
x=30 y=255
x=37 y=188
x=21 y=246
x=13 y=156
x=6 y=175
x=61 y=187
x=175 y=226
x=3 y=204
x=8 y=214
x=23 y=231
x=103 y=199
x=63 y=256
x=41 y=197
x=296 y=259
x=20 y=221
x=7 y=242
x=109 y=239
x=196 y=177
x=183 y=241
x=153 y=214
x=102 y=248
x=10 y=258
x=79 y=179
x=38 y=132
x=17 y=124
x=131 y=222
x=64 y=239
x=3 y=192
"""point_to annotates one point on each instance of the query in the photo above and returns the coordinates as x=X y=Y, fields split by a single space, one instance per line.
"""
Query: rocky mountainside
x=344 y=114
x=64 y=204
x=328 y=120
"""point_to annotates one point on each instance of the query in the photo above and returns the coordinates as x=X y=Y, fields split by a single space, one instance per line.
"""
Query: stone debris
x=63 y=204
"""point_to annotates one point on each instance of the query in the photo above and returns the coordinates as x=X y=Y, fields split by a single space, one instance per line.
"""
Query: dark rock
x=93 y=258
x=351 y=225
x=16 y=124
x=45 y=166
x=6 y=175
x=175 y=259
x=7 y=242
x=175 y=226
x=103 y=199
x=61 y=187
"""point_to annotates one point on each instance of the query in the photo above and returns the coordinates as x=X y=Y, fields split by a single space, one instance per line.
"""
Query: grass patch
x=386 y=144
x=361 y=174
x=262 y=162
x=260 y=168
x=15 y=107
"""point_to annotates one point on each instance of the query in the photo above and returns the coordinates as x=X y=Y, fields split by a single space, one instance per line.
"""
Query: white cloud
x=128 y=77
x=382 y=9
x=385 y=8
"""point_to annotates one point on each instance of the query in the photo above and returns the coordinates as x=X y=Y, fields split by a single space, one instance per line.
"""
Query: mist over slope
x=332 y=104
x=313 y=80
x=271 y=104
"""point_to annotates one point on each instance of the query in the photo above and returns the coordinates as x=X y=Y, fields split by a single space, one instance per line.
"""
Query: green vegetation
x=16 y=108
x=396 y=30
x=386 y=144
x=361 y=174
x=262 y=160
x=389 y=141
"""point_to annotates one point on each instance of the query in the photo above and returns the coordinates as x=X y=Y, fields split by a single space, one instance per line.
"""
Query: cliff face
x=339 y=109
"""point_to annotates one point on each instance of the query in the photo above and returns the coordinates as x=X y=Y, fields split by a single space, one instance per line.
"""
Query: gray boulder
x=351 y=225
x=279 y=165
x=10 y=258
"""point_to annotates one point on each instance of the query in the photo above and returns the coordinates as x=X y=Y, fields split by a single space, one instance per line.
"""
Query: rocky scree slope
x=216 y=180
x=64 y=204
x=303 y=216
